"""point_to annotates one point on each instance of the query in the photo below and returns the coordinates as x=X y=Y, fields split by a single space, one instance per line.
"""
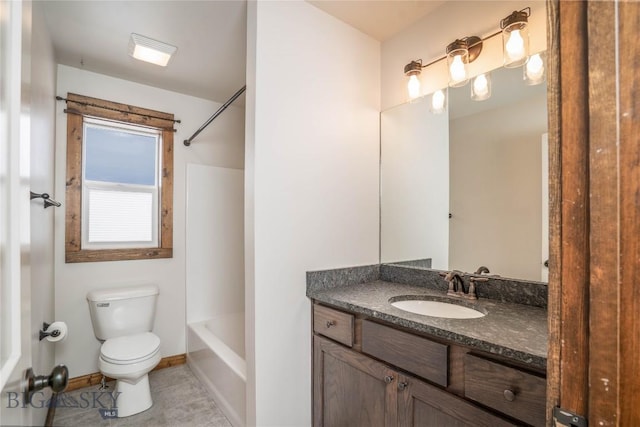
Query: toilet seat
x=130 y=349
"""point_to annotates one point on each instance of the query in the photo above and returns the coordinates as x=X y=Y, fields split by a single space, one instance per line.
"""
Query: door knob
x=57 y=381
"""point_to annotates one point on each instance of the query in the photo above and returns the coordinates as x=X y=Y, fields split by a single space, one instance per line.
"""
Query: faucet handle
x=482 y=269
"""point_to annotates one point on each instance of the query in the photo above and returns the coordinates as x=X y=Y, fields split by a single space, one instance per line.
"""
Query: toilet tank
x=122 y=311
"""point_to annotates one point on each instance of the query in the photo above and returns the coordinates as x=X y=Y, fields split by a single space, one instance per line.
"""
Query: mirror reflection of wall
x=496 y=180
x=414 y=186
x=480 y=161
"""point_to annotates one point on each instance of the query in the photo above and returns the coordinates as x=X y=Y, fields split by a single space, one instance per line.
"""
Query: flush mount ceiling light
x=460 y=53
x=412 y=70
x=150 y=50
x=515 y=37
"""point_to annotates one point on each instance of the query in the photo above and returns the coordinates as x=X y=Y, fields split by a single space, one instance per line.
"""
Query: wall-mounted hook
x=48 y=201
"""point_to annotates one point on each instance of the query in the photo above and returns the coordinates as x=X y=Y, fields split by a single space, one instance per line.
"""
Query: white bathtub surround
x=215 y=284
x=215 y=242
x=216 y=354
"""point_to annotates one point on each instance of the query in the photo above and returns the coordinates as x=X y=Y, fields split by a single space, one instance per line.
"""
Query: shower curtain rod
x=187 y=142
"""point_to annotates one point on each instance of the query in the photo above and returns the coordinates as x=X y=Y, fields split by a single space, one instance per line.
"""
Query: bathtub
x=215 y=353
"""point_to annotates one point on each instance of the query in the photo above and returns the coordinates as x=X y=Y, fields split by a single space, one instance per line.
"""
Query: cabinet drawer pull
x=402 y=385
x=388 y=379
x=331 y=323
x=509 y=395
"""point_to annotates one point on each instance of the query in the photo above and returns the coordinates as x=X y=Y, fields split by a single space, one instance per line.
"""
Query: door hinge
x=564 y=418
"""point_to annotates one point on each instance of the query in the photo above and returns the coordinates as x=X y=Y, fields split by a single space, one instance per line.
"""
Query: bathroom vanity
x=377 y=365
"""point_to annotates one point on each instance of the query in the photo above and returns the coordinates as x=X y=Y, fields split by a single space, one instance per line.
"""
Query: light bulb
x=515 y=46
x=481 y=85
x=437 y=102
x=457 y=70
x=413 y=87
x=534 y=70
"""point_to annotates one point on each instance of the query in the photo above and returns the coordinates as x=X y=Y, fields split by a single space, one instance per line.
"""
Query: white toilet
x=123 y=319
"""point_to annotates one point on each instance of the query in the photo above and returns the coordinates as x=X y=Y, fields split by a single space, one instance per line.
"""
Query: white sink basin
x=438 y=309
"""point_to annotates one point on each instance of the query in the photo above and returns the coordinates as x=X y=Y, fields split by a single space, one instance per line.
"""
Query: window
x=119 y=181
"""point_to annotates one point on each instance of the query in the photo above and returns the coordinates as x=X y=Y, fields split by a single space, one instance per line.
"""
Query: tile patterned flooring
x=179 y=399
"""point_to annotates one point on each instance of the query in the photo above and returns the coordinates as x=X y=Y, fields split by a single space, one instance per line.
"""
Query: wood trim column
x=569 y=215
x=604 y=215
x=554 y=295
x=629 y=140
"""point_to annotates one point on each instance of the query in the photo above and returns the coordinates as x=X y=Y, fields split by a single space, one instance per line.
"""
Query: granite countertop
x=514 y=331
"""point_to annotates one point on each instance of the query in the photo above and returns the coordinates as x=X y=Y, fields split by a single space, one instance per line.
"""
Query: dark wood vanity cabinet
x=388 y=377
x=351 y=389
x=421 y=404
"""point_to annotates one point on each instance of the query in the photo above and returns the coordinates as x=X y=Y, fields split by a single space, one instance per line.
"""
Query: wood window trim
x=78 y=107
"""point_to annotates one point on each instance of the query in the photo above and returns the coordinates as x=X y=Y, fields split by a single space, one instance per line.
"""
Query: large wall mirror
x=468 y=187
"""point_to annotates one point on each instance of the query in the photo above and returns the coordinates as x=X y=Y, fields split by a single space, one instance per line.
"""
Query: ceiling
x=380 y=19
x=210 y=36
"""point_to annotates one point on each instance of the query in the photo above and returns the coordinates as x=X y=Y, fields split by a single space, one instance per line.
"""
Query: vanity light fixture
x=413 y=70
x=481 y=87
x=515 y=37
x=534 y=70
x=150 y=50
x=438 y=102
x=515 y=43
x=460 y=53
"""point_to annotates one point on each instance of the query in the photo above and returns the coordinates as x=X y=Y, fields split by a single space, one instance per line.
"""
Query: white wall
x=501 y=228
x=221 y=144
x=311 y=187
x=42 y=92
x=414 y=185
x=428 y=38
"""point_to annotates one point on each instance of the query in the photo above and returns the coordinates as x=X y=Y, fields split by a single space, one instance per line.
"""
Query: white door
x=15 y=327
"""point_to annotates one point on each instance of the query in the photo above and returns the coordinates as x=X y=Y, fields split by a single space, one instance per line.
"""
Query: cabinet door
x=424 y=405
x=351 y=389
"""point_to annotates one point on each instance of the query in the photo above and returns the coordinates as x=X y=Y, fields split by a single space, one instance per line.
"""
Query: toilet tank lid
x=113 y=294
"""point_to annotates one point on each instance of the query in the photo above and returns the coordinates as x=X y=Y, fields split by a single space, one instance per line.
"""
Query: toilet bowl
x=122 y=318
x=128 y=360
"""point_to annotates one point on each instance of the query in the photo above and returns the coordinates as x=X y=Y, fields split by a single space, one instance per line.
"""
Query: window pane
x=120 y=216
x=115 y=155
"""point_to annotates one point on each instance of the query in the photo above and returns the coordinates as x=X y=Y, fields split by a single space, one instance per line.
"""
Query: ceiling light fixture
x=150 y=50
x=515 y=37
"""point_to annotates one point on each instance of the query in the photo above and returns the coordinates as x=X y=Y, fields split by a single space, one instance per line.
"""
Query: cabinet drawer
x=333 y=324
x=509 y=390
x=413 y=353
